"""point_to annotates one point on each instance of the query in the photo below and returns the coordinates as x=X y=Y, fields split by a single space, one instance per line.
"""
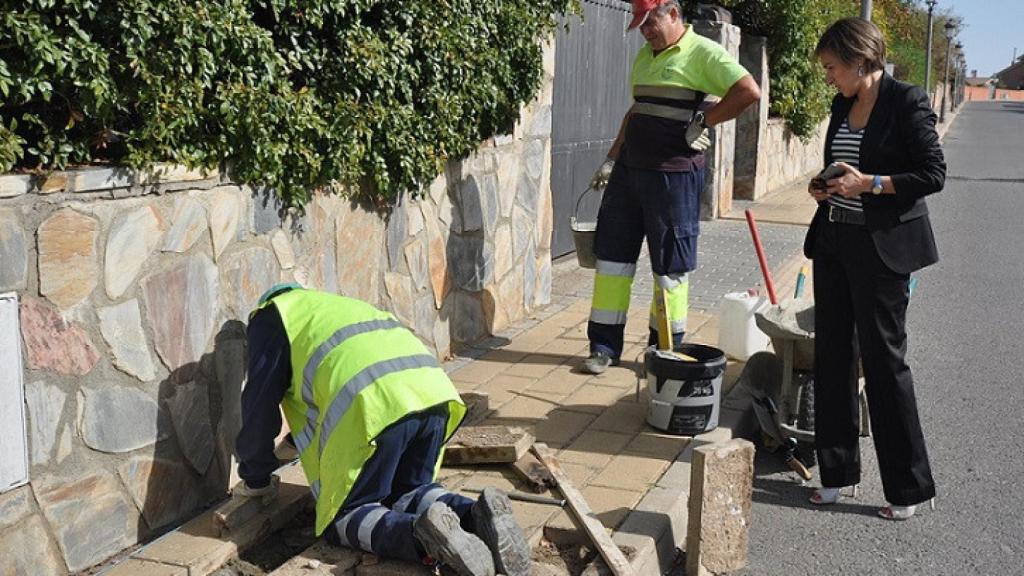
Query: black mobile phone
x=833 y=170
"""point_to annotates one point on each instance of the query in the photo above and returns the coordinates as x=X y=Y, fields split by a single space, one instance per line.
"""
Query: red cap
x=641 y=10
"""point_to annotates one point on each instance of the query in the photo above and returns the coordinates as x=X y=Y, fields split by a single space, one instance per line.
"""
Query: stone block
x=13 y=252
x=282 y=249
x=467 y=318
x=97 y=179
x=471 y=261
x=45 y=404
x=28 y=549
x=116 y=419
x=53 y=344
x=225 y=213
x=359 y=235
x=121 y=326
x=437 y=259
x=471 y=205
x=721 y=485
x=395 y=233
x=416 y=259
x=68 y=262
x=136 y=567
x=164 y=490
x=182 y=307
x=132 y=239
x=400 y=293
x=188 y=224
x=90 y=516
x=266 y=211
x=15 y=506
x=12 y=185
x=190 y=413
x=320 y=559
x=245 y=276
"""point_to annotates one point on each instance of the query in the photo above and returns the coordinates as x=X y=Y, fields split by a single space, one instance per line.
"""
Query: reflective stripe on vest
x=662 y=111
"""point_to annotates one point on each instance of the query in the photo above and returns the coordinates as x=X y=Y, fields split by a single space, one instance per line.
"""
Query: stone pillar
x=721 y=485
x=749 y=182
x=717 y=196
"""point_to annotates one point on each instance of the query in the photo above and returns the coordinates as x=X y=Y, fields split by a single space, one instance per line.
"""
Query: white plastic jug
x=738 y=334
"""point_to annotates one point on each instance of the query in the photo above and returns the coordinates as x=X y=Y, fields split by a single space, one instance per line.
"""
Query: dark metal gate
x=593 y=57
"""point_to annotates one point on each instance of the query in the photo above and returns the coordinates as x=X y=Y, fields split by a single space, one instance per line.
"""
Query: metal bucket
x=583 y=234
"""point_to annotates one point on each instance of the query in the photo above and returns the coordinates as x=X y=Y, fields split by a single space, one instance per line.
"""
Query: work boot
x=497 y=527
x=444 y=540
x=598 y=362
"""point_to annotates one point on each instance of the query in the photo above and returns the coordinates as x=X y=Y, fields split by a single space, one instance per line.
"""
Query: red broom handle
x=760 y=257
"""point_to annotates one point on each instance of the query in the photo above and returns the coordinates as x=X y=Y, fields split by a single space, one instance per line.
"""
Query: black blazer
x=899 y=141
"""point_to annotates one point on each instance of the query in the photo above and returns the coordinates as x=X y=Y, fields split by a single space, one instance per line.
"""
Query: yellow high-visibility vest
x=355 y=371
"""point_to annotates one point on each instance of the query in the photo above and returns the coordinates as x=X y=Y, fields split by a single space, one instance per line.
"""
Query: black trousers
x=861 y=304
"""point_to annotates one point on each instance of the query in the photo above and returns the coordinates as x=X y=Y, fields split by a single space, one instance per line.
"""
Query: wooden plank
x=538 y=478
x=578 y=505
x=487 y=445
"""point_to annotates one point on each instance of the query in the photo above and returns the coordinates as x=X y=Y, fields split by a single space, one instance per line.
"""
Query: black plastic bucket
x=685 y=395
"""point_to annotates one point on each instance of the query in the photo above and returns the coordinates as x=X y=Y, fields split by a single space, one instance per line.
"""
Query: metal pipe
x=928 y=60
x=865 y=9
x=524 y=497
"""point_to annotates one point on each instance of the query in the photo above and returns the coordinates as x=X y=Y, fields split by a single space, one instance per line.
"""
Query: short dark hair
x=851 y=39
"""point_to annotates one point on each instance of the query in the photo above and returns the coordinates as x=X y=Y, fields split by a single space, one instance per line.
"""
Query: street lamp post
x=928 y=64
x=865 y=9
x=950 y=32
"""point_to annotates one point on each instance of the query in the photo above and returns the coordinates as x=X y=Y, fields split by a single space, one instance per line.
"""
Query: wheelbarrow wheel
x=805 y=421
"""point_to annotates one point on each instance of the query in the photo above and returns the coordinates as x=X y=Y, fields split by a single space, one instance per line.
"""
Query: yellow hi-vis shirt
x=693 y=64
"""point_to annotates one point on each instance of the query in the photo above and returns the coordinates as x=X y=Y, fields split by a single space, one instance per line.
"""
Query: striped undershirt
x=846 y=148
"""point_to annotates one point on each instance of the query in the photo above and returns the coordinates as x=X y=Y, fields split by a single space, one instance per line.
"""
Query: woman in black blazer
x=871 y=230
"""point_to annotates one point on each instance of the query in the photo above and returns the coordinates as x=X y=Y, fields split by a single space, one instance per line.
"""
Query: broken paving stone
x=190 y=413
x=118 y=419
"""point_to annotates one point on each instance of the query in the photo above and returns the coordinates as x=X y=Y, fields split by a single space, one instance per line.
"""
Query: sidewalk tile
x=595 y=448
x=487 y=366
x=623 y=417
x=503 y=388
x=662 y=446
x=535 y=365
x=564 y=379
x=610 y=505
x=561 y=427
x=527 y=406
x=594 y=399
x=567 y=347
x=631 y=472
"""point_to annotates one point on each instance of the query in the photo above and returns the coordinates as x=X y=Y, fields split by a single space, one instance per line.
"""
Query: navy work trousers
x=395 y=487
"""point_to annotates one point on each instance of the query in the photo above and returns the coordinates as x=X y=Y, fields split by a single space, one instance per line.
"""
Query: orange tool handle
x=760 y=257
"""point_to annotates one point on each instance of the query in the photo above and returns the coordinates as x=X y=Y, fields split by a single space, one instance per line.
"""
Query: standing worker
x=655 y=171
x=871 y=230
x=370 y=411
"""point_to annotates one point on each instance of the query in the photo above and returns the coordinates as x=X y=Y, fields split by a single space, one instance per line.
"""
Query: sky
x=992 y=29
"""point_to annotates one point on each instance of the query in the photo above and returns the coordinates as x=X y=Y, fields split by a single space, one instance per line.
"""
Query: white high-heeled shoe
x=825 y=496
x=891 y=512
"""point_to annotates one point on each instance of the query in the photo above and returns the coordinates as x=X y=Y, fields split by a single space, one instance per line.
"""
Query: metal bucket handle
x=576 y=212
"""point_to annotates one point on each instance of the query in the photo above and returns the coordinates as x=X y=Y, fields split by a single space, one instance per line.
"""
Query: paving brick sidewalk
x=626 y=470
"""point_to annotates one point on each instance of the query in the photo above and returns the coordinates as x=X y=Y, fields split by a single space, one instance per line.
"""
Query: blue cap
x=278 y=289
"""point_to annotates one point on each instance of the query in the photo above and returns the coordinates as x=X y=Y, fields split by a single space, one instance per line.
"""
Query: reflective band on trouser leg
x=359 y=523
x=613 y=284
x=417 y=501
x=677 y=292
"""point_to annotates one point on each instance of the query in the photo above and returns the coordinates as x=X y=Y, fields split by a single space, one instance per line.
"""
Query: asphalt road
x=966 y=326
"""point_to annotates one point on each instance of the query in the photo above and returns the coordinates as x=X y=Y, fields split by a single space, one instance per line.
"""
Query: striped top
x=846 y=148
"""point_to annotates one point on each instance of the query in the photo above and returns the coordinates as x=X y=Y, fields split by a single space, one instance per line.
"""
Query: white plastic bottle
x=738 y=334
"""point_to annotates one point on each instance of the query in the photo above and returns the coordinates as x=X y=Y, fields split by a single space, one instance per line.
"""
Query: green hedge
x=293 y=94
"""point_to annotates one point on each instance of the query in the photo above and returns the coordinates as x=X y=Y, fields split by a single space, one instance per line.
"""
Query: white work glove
x=697 y=136
x=266 y=494
x=603 y=174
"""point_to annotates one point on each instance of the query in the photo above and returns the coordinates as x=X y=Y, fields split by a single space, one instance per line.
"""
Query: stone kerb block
x=721 y=485
x=751 y=178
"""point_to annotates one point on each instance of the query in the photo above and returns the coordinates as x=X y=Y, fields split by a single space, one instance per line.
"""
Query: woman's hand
x=819 y=194
x=850 y=184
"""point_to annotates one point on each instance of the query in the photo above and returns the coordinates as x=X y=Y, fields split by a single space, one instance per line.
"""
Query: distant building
x=1012 y=78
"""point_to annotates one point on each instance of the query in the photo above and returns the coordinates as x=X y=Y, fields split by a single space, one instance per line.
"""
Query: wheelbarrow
x=782 y=385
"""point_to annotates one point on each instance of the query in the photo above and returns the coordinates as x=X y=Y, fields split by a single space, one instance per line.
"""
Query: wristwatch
x=876 y=185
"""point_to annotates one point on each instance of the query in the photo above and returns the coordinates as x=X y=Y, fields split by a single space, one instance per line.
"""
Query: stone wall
x=787 y=158
x=752 y=124
x=716 y=198
x=134 y=291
